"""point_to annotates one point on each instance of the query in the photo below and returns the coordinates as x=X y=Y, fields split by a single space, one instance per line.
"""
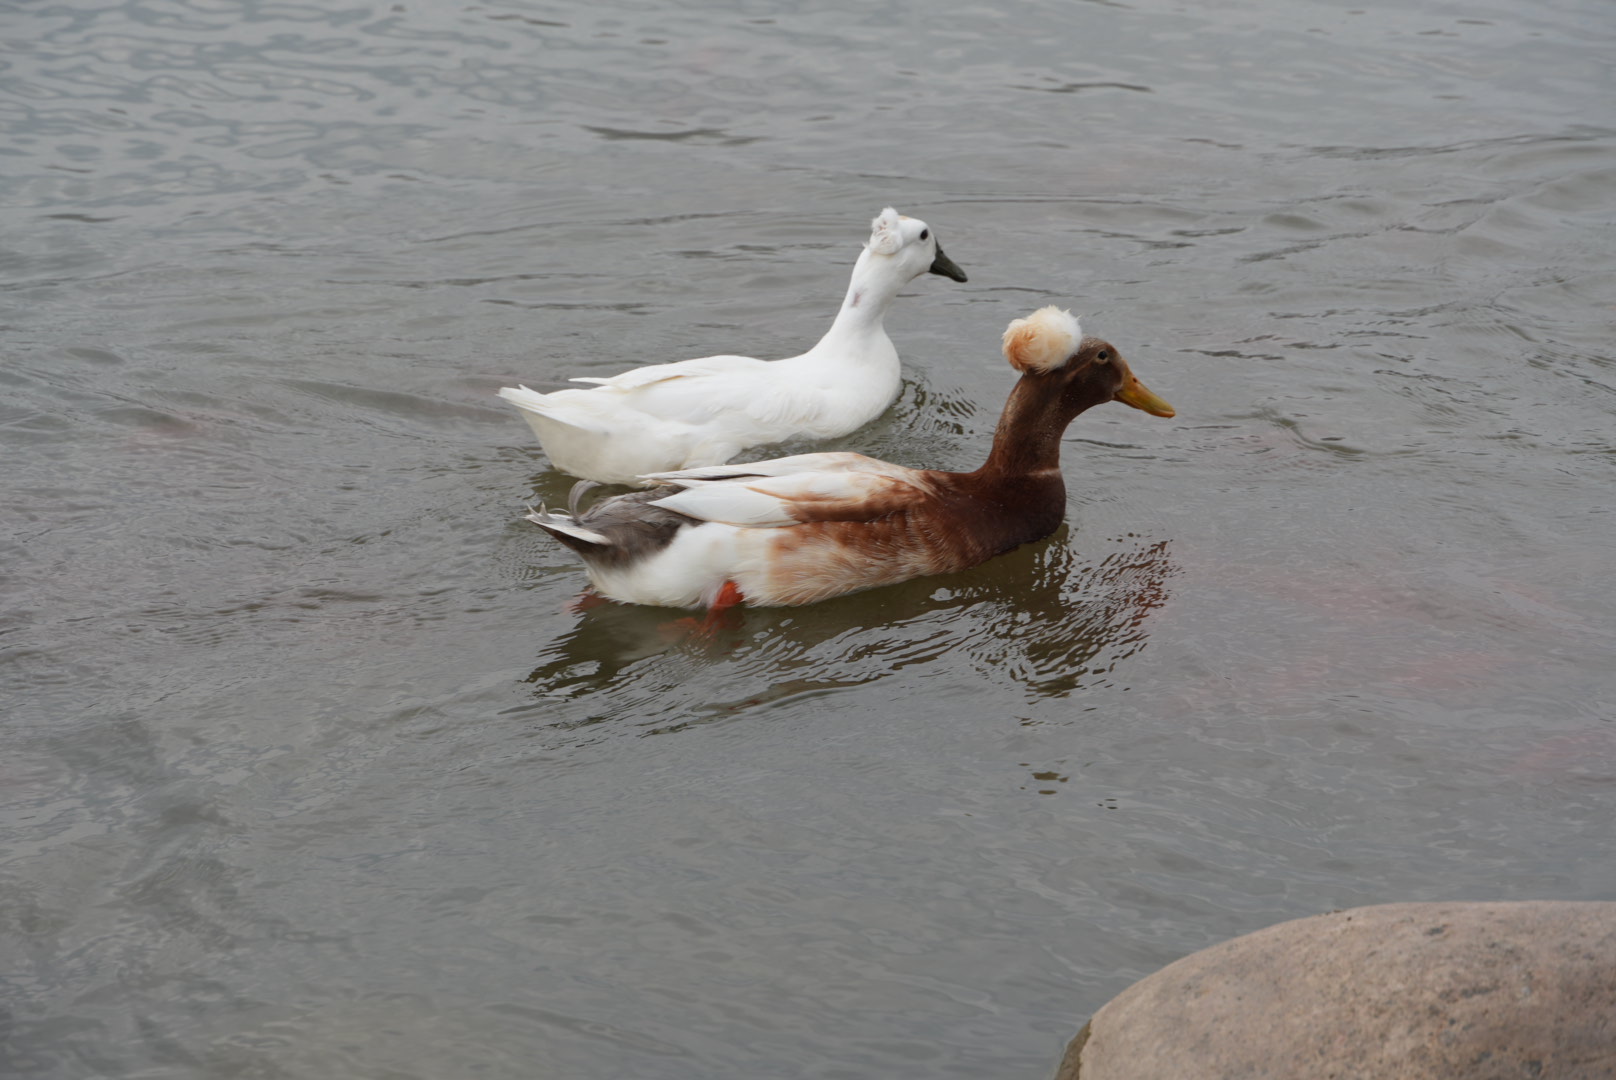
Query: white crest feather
x=885 y=239
x=1043 y=341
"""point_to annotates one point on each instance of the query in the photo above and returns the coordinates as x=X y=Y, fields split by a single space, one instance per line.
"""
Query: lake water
x=308 y=771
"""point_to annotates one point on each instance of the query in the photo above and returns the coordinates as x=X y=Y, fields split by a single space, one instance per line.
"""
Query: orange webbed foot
x=720 y=616
x=584 y=601
x=729 y=595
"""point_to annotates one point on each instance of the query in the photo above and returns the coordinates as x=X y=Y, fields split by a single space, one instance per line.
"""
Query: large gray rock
x=1393 y=992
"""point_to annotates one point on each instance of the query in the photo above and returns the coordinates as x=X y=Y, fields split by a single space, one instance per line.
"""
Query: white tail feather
x=561 y=412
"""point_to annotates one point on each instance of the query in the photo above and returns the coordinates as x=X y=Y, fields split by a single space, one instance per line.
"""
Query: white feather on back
x=832 y=460
x=885 y=239
x=679 y=369
x=852 y=484
x=1043 y=341
x=732 y=503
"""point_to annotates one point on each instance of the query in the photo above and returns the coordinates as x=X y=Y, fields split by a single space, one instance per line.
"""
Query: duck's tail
x=616 y=531
x=568 y=412
x=565 y=527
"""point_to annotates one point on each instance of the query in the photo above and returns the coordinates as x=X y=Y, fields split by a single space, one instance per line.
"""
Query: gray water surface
x=309 y=771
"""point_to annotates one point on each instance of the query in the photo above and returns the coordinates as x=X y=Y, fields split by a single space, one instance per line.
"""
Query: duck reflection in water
x=1045 y=617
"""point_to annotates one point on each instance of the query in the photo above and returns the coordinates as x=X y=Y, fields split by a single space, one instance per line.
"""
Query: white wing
x=792 y=491
x=725 y=366
x=835 y=461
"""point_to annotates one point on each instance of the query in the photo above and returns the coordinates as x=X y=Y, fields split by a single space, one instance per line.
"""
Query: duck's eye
x=1103 y=355
x=924 y=233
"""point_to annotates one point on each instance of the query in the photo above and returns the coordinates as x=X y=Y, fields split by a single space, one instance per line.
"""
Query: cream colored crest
x=885 y=237
x=1043 y=341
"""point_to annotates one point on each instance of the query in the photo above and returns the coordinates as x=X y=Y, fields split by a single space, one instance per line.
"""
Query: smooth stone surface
x=1414 y=991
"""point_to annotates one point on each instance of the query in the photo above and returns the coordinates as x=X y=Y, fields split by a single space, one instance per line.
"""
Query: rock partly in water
x=1444 y=991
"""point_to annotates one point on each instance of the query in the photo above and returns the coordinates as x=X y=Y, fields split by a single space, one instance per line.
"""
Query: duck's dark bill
x=1138 y=395
x=943 y=265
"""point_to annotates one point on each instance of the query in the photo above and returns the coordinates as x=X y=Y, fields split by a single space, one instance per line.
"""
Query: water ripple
x=307 y=770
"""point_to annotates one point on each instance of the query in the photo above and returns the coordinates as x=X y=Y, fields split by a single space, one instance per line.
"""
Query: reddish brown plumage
x=877 y=498
x=926 y=521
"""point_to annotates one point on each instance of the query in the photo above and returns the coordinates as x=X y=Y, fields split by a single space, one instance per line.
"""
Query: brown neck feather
x=1040 y=408
x=1021 y=481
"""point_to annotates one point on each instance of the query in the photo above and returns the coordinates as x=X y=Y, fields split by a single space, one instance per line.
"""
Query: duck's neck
x=864 y=308
x=1027 y=441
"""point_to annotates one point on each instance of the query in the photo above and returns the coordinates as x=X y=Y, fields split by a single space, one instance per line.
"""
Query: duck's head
x=910 y=245
x=1048 y=346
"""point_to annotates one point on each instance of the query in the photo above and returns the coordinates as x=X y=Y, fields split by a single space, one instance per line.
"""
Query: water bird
x=705 y=411
x=795 y=530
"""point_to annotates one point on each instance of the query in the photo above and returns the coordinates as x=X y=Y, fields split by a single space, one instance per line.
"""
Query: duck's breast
x=842 y=390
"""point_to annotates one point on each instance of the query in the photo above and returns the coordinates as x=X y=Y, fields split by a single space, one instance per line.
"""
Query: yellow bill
x=1138 y=395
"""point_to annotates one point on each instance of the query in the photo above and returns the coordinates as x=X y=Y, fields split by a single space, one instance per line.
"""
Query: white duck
x=705 y=411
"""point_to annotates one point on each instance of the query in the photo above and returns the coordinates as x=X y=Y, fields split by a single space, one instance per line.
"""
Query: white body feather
x=743 y=533
x=687 y=573
x=705 y=411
